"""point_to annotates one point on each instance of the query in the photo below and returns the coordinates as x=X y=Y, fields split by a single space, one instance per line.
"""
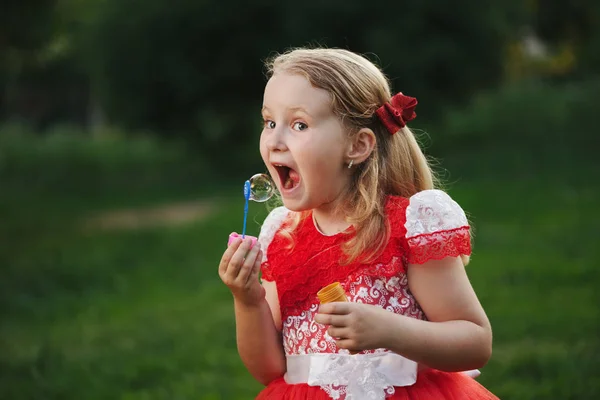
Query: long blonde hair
x=397 y=165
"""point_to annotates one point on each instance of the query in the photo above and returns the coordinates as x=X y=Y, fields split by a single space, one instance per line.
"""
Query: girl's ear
x=362 y=146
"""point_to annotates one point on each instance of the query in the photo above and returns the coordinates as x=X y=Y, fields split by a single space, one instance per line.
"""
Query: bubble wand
x=259 y=188
x=247 y=190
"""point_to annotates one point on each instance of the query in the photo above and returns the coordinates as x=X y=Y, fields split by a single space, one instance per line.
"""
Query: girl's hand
x=354 y=326
x=239 y=269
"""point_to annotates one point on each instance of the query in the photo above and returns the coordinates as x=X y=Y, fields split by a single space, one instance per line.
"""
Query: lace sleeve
x=436 y=227
x=267 y=231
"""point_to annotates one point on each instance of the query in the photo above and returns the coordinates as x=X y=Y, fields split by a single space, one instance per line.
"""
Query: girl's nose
x=276 y=140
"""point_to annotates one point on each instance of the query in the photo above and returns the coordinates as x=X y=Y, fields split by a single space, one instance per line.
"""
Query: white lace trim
x=352 y=377
x=269 y=227
x=431 y=211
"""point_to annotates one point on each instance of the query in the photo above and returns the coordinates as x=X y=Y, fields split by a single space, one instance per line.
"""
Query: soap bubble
x=261 y=188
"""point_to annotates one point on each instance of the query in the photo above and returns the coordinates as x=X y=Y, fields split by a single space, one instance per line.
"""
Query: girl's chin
x=294 y=204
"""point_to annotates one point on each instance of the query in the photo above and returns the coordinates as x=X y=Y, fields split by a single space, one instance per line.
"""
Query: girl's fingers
x=256 y=268
x=226 y=259
x=236 y=261
x=344 y=343
x=331 y=319
x=338 y=332
x=246 y=268
x=340 y=308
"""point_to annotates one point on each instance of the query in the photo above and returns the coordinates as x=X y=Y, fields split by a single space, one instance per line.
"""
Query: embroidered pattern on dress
x=302 y=335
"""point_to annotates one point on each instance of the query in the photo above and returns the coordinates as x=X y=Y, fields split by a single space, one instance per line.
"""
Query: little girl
x=360 y=208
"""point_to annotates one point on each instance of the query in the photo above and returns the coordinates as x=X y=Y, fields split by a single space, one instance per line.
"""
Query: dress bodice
x=429 y=225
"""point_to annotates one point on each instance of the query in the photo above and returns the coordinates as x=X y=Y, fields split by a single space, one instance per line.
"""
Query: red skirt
x=431 y=385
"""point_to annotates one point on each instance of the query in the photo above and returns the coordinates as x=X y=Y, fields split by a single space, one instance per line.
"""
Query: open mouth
x=288 y=177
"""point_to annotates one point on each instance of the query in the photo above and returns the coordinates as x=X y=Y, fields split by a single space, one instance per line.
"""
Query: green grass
x=132 y=314
x=534 y=268
x=141 y=314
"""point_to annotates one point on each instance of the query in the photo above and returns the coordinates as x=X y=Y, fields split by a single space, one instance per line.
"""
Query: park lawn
x=141 y=313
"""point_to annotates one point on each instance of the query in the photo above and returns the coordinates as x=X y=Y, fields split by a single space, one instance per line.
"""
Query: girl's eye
x=269 y=124
x=300 y=126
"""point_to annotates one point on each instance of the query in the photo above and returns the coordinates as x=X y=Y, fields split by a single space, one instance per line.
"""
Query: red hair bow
x=397 y=112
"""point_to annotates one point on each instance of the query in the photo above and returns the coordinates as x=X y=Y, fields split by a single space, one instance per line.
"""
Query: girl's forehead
x=293 y=91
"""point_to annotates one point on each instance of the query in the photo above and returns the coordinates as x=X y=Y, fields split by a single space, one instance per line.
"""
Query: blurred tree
x=190 y=67
x=15 y=16
x=575 y=24
x=571 y=30
x=18 y=46
x=38 y=79
x=441 y=54
x=187 y=67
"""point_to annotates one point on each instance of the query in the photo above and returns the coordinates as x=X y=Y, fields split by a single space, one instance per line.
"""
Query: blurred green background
x=127 y=129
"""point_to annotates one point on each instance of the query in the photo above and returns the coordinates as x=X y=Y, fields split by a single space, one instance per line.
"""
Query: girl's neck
x=329 y=223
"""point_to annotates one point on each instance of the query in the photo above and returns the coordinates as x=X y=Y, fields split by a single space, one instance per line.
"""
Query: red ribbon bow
x=397 y=112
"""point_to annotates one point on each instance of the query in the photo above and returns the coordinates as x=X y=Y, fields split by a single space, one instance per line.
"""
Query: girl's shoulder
x=271 y=225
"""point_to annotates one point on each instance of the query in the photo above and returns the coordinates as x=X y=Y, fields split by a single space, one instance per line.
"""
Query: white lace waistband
x=364 y=376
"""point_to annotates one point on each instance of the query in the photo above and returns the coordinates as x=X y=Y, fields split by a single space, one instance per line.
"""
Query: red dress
x=429 y=225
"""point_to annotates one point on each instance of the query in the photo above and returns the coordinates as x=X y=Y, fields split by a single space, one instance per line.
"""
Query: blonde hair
x=397 y=165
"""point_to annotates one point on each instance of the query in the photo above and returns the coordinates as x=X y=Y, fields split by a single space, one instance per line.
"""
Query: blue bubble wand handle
x=246 y=199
